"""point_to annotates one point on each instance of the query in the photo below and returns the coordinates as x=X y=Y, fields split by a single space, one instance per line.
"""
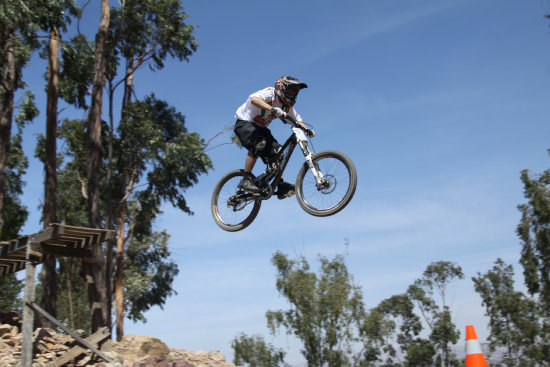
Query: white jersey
x=259 y=116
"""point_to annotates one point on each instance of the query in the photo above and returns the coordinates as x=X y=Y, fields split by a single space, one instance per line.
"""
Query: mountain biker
x=253 y=118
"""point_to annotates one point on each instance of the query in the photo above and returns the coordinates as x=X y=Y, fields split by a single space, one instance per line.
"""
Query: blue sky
x=439 y=103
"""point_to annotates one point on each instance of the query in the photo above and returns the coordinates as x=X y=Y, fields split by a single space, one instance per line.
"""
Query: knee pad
x=257 y=148
x=260 y=145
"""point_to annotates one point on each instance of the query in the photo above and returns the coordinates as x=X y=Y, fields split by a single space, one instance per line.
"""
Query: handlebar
x=289 y=119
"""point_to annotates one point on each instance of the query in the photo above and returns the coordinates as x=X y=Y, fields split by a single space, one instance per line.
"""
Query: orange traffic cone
x=474 y=355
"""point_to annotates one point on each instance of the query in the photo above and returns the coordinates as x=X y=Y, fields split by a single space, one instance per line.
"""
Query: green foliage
x=325 y=308
x=15 y=213
x=156 y=141
x=534 y=232
x=73 y=308
x=27 y=111
x=151 y=30
x=393 y=323
x=436 y=278
x=513 y=318
x=52 y=13
x=156 y=145
x=17 y=34
x=72 y=204
x=11 y=290
x=76 y=74
x=253 y=351
x=148 y=274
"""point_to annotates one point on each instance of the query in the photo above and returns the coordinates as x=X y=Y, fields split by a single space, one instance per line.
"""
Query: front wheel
x=335 y=189
x=232 y=208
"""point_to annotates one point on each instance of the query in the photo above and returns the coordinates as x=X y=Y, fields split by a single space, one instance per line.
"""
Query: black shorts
x=251 y=134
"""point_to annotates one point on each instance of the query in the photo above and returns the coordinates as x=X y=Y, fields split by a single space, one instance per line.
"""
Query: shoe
x=248 y=185
x=285 y=190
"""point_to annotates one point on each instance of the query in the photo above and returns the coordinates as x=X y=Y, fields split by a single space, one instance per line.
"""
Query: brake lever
x=289 y=119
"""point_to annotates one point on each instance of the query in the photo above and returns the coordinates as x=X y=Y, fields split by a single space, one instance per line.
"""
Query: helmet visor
x=292 y=90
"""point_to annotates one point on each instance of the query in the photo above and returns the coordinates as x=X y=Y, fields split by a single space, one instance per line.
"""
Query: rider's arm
x=260 y=103
x=299 y=121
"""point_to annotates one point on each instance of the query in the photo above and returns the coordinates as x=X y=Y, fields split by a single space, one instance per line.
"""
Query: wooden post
x=28 y=313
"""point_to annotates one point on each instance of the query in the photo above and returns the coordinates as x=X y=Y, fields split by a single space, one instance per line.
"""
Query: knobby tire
x=339 y=171
x=224 y=214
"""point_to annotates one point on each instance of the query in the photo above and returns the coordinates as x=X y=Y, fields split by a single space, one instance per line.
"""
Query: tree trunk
x=6 y=114
x=109 y=268
x=119 y=275
x=119 y=292
x=49 y=278
x=119 y=257
x=94 y=271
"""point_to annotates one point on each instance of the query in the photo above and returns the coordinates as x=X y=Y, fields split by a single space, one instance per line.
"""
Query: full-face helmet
x=287 y=88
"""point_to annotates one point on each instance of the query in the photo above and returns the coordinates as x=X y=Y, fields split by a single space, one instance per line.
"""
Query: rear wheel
x=232 y=208
x=337 y=186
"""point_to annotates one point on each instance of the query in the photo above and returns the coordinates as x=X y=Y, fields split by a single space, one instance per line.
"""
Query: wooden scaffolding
x=29 y=251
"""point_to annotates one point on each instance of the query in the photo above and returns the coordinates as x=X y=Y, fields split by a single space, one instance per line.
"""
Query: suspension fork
x=317 y=174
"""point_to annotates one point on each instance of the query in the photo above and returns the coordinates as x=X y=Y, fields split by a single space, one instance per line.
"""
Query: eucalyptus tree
x=394 y=323
x=17 y=40
x=164 y=160
x=325 y=309
x=157 y=159
x=95 y=277
x=147 y=32
x=15 y=212
x=143 y=32
x=513 y=318
x=254 y=351
x=436 y=278
x=51 y=17
x=534 y=233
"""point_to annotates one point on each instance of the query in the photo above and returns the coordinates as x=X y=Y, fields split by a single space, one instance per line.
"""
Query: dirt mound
x=131 y=351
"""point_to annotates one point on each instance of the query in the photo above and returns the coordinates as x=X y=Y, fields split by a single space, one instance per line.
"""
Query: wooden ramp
x=56 y=240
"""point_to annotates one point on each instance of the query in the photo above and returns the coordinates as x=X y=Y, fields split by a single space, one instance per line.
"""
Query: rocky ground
x=131 y=351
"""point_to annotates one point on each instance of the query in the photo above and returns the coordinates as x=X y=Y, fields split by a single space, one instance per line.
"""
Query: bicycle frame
x=274 y=170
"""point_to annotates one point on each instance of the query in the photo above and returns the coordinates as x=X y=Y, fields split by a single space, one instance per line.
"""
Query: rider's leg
x=249 y=164
x=247 y=132
x=247 y=183
x=284 y=189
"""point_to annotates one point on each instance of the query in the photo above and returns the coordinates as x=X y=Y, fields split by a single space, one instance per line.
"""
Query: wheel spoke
x=336 y=188
x=232 y=208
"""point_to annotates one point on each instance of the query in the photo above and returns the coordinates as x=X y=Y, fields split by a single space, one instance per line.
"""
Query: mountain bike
x=325 y=184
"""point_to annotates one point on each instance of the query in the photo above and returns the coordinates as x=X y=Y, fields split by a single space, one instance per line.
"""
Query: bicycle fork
x=317 y=174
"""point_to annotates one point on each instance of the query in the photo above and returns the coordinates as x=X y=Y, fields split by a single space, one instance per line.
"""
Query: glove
x=276 y=112
x=310 y=133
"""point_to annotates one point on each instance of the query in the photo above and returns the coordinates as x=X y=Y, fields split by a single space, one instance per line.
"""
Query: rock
x=5 y=329
x=134 y=347
x=131 y=351
x=10 y=318
x=150 y=361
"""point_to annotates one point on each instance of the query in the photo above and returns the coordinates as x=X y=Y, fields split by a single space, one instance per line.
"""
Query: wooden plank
x=40 y=310
x=94 y=339
x=69 y=240
x=66 y=251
